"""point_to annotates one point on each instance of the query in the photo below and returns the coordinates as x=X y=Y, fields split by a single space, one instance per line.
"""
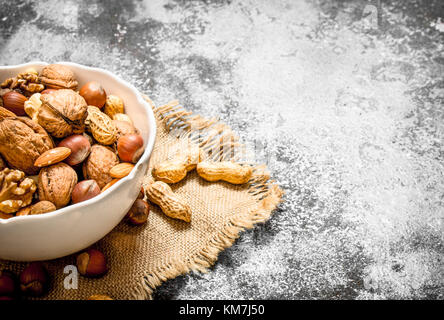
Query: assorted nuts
x=35 y=110
x=175 y=169
x=47 y=161
x=43 y=124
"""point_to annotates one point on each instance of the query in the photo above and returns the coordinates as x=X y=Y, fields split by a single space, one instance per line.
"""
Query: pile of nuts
x=60 y=146
x=34 y=280
x=176 y=169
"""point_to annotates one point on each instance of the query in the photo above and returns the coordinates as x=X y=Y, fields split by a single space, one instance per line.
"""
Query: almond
x=121 y=170
x=52 y=156
x=109 y=184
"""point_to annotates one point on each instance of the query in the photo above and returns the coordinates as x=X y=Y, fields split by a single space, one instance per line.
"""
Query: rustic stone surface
x=349 y=112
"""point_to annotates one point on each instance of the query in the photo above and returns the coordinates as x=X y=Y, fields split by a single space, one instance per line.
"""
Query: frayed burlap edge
x=267 y=193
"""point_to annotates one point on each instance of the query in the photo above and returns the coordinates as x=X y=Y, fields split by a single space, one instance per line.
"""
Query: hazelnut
x=141 y=193
x=130 y=148
x=91 y=263
x=138 y=214
x=80 y=148
x=8 y=285
x=100 y=297
x=94 y=94
x=34 y=279
x=85 y=190
x=15 y=102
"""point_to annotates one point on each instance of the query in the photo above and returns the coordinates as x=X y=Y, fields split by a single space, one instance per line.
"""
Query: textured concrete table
x=346 y=97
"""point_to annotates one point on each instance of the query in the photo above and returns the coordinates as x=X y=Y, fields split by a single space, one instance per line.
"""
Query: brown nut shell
x=80 y=148
x=99 y=163
x=57 y=76
x=85 y=190
x=101 y=126
x=56 y=184
x=15 y=102
x=34 y=279
x=138 y=214
x=42 y=207
x=130 y=148
x=94 y=94
x=62 y=113
x=113 y=105
x=22 y=141
x=124 y=128
x=92 y=263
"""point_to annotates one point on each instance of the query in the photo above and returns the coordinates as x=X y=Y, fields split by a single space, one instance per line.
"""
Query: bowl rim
x=144 y=158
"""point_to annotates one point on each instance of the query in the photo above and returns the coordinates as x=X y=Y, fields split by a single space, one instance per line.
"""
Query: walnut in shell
x=99 y=163
x=56 y=184
x=42 y=207
x=57 y=76
x=101 y=126
x=22 y=141
x=5 y=113
x=62 y=113
x=16 y=191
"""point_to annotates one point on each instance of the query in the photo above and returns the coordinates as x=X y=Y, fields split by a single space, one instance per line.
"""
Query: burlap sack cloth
x=141 y=258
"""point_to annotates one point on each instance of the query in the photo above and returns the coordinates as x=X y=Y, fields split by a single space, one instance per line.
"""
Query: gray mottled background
x=350 y=112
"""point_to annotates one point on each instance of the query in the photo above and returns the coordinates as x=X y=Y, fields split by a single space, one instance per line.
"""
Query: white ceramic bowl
x=73 y=228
